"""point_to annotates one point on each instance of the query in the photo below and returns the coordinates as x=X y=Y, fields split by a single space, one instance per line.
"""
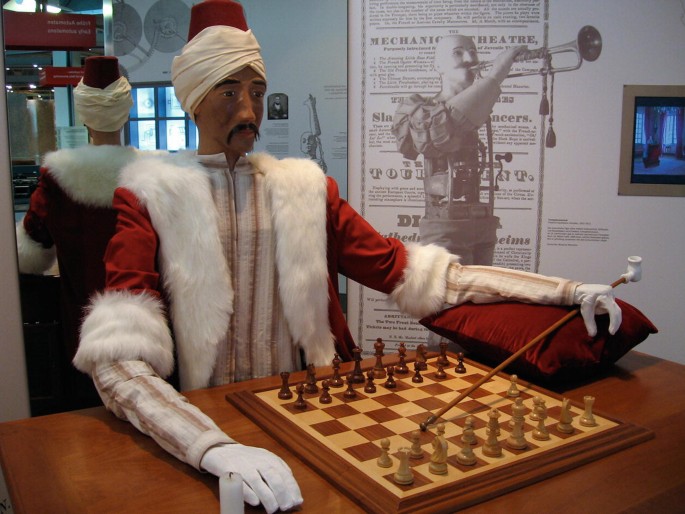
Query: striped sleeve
x=489 y=284
x=132 y=391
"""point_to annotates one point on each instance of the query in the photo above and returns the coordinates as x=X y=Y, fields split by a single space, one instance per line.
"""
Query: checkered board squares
x=343 y=437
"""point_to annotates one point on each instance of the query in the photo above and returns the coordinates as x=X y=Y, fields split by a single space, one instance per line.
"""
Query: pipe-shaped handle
x=634 y=271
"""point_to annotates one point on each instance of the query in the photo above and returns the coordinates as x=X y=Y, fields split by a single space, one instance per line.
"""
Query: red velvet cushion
x=491 y=333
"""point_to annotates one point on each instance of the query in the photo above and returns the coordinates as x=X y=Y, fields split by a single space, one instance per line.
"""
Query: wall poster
x=451 y=113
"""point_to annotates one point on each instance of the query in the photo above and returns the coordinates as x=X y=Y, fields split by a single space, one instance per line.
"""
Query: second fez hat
x=100 y=71
x=216 y=12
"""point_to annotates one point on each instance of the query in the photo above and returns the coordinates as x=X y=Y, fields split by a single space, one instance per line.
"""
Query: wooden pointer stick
x=632 y=275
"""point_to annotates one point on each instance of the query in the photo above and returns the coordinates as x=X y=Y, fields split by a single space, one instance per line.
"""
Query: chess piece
x=310 y=381
x=403 y=475
x=442 y=359
x=384 y=461
x=378 y=369
x=518 y=410
x=401 y=367
x=285 y=393
x=325 y=397
x=337 y=380
x=466 y=456
x=513 y=391
x=350 y=393
x=417 y=378
x=468 y=436
x=357 y=373
x=438 y=465
x=492 y=447
x=493 y=421
x=390 y=382
x=460 y=363
x=300 y=403
x=416 y=450
x=588 y=419
x=421 y=357
x=541 y=433
x=517 y=439
x=440 y=373
x=370 y=387
x=535 y=412
x=565 y=425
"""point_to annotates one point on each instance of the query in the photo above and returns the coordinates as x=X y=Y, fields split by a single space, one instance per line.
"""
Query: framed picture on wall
x=652 y=149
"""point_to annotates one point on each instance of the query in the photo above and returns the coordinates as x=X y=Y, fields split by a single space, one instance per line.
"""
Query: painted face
x=228 y=118
x=454 y=56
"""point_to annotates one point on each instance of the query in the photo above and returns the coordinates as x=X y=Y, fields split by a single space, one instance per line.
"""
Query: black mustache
x=244 y=126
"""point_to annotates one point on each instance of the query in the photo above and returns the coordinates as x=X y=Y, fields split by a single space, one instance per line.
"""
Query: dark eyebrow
x=230 y=82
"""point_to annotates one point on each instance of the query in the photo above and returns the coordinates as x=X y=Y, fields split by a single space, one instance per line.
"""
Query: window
x=639 y=125
x=669 y=126
x=157 y=121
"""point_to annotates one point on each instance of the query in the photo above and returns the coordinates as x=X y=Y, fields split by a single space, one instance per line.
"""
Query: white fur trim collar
x=177 y=194
x=89 y=174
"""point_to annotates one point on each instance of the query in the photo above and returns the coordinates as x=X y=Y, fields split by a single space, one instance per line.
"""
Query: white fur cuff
x=123 y=326
x=422 y=289
x=32 y=257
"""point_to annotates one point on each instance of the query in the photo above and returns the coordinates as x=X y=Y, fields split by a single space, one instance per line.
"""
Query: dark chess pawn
x=337 y=380
x=421 y=357
x=357 y=373
x=417 y=378
x=441 y=371
x=300 y=403
x=325 y=395
x=370 y=387
x=390 y=382
x=350 y=392
x=310 y=386
x=285 y=393
x=460 y=363
x=443 y=360
x=378 y=369
x=401 y=367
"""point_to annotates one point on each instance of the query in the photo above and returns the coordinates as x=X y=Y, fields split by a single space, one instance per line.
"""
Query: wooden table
x=88 y=461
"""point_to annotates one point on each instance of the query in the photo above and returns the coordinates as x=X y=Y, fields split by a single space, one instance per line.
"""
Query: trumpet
x=587 y=47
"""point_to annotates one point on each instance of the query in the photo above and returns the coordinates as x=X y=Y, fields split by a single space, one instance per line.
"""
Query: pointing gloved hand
x=267 y=479
x=597 y=299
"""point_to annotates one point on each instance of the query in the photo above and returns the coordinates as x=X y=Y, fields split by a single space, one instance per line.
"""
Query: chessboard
x=342 y=440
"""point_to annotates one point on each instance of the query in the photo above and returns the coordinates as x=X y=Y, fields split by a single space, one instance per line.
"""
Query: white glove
x=597 y=299
x=267 y=479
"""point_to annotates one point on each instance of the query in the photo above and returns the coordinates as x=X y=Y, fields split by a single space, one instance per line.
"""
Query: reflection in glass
x=143 y=134
x=173 y=106
x=144 y=102
x=175 y=134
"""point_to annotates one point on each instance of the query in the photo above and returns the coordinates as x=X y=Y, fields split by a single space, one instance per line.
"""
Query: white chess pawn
x=513 y=391
x=416 y=450
x=535 y=413
x=541 y=433
x=466 y=456
x=468 y=436
x=384 y=460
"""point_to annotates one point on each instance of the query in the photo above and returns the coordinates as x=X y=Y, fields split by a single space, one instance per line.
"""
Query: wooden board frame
x=376 y=498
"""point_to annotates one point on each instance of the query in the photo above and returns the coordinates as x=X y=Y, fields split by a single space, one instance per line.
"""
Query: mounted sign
x=56 y=76
x=47 y=31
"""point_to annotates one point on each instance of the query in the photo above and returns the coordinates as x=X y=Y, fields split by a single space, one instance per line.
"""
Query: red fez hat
x=216 y=12
x=101 y=71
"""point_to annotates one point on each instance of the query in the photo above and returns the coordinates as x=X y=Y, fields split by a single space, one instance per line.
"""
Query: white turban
x=105 y=110
x=210 y=57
